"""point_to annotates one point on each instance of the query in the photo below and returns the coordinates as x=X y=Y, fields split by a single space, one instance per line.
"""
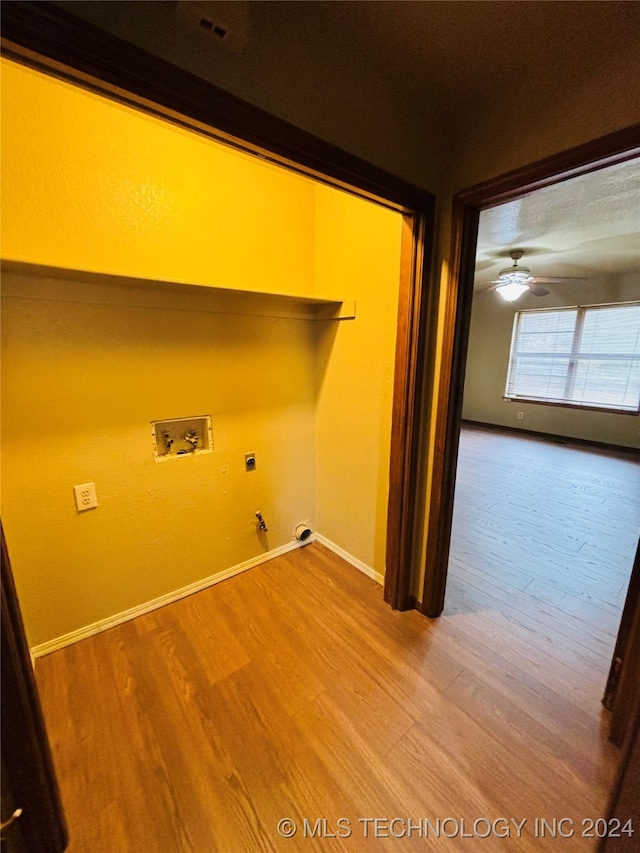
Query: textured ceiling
x=450 y=51
x=587 y=226
x=445 y=52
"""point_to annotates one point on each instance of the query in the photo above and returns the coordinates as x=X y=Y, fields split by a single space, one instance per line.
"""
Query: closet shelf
x=28 y=280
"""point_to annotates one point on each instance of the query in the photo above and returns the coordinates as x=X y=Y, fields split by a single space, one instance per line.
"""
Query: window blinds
x=586 y=356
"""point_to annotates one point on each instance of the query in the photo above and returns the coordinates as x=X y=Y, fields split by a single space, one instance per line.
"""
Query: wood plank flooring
x=293 y=691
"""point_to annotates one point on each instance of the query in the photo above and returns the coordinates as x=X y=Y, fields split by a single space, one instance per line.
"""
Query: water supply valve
x=192 y=437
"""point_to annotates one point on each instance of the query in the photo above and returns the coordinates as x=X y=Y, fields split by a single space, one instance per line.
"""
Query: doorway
x=468 y=207
x=522 y=496
x=615 y=148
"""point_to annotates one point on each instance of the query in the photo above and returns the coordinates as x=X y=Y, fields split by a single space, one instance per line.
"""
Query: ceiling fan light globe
x=511 y=291
x=522 y=274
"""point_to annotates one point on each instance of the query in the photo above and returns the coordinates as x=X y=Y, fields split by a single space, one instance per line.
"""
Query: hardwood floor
x=293 y=691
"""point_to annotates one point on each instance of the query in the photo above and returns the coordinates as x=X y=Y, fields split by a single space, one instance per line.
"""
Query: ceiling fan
x=513 y=281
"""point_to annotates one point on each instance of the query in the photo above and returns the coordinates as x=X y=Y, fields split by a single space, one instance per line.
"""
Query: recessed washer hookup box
x=179 y=437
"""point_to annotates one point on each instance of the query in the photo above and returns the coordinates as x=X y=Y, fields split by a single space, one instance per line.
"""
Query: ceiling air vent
x=214 y=29
x=224 y=22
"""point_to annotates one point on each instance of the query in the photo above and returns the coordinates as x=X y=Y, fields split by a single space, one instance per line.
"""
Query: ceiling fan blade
x=558 y=279
x=538 y=290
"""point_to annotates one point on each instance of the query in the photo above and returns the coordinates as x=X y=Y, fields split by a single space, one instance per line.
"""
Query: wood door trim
x=624 y=800
x=46 y=37
x=415 y=308
x=613 y=148
x=27 y=766
x=624 y=678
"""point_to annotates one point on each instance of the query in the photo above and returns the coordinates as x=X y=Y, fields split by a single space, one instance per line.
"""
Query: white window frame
x=573 y=357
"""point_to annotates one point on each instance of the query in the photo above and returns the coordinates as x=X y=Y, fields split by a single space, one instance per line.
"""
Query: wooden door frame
x=467 y=205
x=623 y=686
x=624 y=796
x=28 y=777
x=49 y=39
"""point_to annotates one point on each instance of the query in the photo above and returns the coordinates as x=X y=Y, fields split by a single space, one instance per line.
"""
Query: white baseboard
x=118 y=618
x=349 y=558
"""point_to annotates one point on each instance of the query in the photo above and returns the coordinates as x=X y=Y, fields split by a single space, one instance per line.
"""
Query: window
x=584 y=356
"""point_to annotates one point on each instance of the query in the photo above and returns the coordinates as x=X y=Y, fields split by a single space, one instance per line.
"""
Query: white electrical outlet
x=520 y=415
x=85 y=496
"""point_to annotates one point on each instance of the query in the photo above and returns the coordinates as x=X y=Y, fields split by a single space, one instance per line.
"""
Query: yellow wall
x=81 y=382
x=357 y=253
x=89 y=185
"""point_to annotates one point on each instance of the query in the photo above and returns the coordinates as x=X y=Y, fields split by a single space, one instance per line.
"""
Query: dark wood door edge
x=50 y=39
x=448 y=411
x=613 y=148
x=29 y=781
x=415 y=328
x=624 y=800
x=623 y=683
